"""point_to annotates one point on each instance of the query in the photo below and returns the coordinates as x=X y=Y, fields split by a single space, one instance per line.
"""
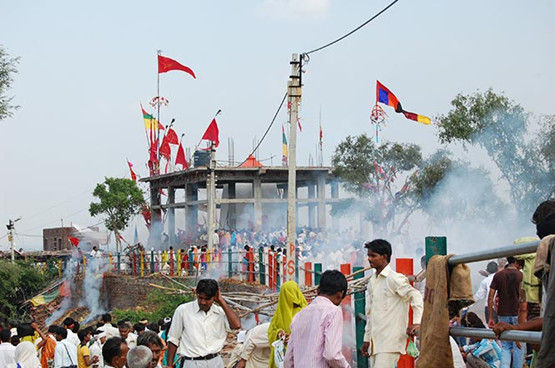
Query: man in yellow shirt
x=84 y=359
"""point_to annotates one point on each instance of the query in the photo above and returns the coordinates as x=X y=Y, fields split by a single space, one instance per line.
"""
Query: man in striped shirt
x=317 y=330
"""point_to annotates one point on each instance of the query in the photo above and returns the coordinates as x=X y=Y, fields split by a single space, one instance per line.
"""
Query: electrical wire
x=354 y=30
x=268 y=129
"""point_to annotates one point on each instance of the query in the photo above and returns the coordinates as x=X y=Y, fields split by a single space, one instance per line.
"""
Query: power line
x=268 y=129
x=354 y=30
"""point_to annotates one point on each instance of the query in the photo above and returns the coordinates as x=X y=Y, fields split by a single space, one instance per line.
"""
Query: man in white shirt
x=199 y=328
x=95 y=253
x=388 y=297
x=69 y=323
x=483 y=290
x=65 y=354
x=7 y=350
x=125 y=333
x=110 y=330
x=255 y=352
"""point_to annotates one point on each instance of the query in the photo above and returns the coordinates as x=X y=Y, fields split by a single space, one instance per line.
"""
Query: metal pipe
x=533 y=337
x=511 y=250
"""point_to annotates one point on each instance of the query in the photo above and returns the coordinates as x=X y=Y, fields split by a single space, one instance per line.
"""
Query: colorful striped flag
x=150 y=121
x=385 y=96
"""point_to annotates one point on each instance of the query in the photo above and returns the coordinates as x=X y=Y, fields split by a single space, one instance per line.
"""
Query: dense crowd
x=309 y=333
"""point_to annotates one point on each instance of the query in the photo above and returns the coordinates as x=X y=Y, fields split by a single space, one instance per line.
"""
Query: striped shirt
x=316 y=337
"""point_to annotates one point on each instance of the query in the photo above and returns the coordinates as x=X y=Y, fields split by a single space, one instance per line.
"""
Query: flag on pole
x=284 y=150
x=321 y=140
x=180 y=158
x=74 y=241
x=165 y=150
x=171 y=136
x=133 y=175
x=385 y=96
x=212 y=133
x=150 y=121
x=165 y=64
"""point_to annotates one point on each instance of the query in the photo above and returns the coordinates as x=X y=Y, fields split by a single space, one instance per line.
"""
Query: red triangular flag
x=171 y=136
x=180 y=158
x=165 y=64
x=73 y=240
x=165 y=150
x=133 y=175
x=212 y=133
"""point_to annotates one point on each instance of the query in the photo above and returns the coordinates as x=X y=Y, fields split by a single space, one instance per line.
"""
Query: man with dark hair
x=114 y=353
x=7 y=350
x=152 y=341
x=317 y=330
x=199 y=328
x=507 y=283
x=84 y=358
x=125 y=333
x=483 y=289
x=69 y=324
x=139 y=328
x=107 y=326
x=388 y=297
x=65 y=353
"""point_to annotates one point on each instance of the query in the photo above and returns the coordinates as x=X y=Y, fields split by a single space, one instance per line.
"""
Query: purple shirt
x=316 y=337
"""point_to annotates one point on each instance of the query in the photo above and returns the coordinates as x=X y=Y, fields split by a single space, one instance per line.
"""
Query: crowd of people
x=309 y=333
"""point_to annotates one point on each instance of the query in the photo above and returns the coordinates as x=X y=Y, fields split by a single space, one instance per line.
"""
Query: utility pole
x=294 y=93
x=11 y=227
x=211 y=197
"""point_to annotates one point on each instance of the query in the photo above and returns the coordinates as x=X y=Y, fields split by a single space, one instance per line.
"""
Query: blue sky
x=86 y=66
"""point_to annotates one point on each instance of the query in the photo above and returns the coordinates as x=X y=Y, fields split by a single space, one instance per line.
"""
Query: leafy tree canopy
x=119 y=200
x=7 y=69
x=502 y=127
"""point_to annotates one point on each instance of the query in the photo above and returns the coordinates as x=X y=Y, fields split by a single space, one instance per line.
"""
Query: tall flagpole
x=320 y=134
x=159 y=52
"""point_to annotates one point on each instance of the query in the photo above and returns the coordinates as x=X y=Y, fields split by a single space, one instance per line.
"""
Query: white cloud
x=294 y=9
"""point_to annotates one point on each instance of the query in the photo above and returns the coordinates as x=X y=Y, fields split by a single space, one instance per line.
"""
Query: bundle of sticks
x=248 y=302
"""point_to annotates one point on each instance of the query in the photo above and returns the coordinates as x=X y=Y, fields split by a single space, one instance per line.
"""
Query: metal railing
x=511 y=335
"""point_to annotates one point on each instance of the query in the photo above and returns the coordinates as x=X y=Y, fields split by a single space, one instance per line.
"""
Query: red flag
x=73 y=241
x=165 y=64
x=165 y=150
x=133 y=175
x=180 y=158
x=212 y=133
x=171 y=136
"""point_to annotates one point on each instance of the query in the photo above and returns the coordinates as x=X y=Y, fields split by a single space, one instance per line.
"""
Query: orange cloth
x=47 y=352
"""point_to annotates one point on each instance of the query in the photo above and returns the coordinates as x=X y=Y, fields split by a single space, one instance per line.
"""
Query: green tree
x=387 y=180
x=19 y=282
x=119 y=200
x=7 y=69
x=502 y=127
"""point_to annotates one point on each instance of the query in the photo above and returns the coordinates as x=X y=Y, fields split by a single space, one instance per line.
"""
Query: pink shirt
x=316 y=337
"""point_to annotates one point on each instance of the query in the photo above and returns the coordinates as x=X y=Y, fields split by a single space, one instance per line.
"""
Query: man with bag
x=65 y=354
x=388 y=297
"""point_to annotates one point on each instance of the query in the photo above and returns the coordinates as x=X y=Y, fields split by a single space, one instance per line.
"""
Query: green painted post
x=152 y=261
x=229 y=263
x=435 y=245
x=279 y=270
x=360 y=324
x=191 y=262
x=317 y=273
x=261 y=266
x=119 y=261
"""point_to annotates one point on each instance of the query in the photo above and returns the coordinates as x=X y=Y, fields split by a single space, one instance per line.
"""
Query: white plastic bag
x=279 y=352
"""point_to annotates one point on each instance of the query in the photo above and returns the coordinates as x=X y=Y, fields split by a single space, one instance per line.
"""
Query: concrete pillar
x=335 y=195
x=156 y=216
x=311 y=206
x=296 y=207
x=171 y=215
x=257 y=194
x=322 y=202
x=191 y=212
x=231 y=207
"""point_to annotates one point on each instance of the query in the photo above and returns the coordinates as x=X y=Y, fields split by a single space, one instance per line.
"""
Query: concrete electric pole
x=294 y=92
x=11 y=226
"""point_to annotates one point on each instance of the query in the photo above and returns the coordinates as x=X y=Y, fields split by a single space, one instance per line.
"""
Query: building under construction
x=214 y=192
